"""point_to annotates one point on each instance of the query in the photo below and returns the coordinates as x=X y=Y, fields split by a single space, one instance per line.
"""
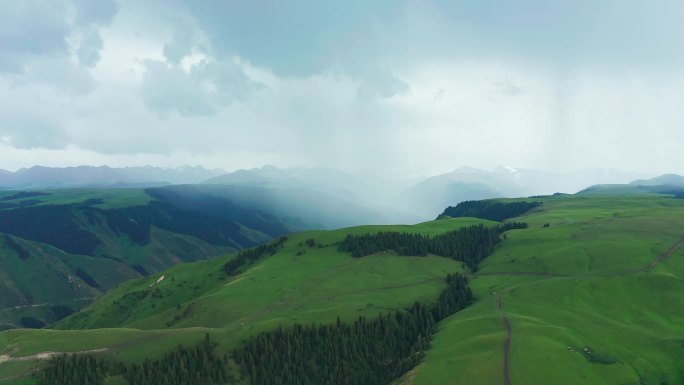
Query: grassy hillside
x=592 y=280
x=316 y=286
x=589 y=293
x=60 y=249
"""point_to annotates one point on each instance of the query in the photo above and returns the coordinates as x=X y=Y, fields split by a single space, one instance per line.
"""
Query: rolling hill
x=60 y=249
x=588 y=293
x=670 y=184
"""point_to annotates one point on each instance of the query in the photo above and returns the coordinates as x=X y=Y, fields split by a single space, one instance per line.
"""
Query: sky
x=385 y=87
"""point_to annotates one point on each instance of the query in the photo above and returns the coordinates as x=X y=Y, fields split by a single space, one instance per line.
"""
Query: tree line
x=66 y=226
x=197 y=365
x=17 y=247
x=490 y=209
x=366 y=351
x=369 y=352
x=469 y=244
x=249 y=256
x=75 y=369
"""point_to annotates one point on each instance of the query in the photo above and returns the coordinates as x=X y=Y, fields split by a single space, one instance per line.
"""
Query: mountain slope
x=315 y=286
x=83 y=242
x=592 y=287
x=671 y=184
x=662 y=180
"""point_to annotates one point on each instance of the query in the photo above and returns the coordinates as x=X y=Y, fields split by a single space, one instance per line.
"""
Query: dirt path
x=507 y=341
x=47 y=303
x=506 y=322
x=673 y=249
x=39 y=356
x=45 y=355
x=518 y=273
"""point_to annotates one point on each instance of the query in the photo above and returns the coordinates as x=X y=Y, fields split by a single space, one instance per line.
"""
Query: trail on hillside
x=38 y=356
x=45 y=355
x=507 y=340
x=664 y=255
x=520 y=273
x=19 y=307
x=506 y=322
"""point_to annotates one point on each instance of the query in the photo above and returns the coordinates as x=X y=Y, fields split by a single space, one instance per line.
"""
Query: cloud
x=508 y=87
x=35 y=34
x=61 y=74
x=199 y=91
x=31 y=133
x=29 y=29
x=99 y=12
x=166 y=88
x=299 y=39
x=187 y=39
x=410 y=87
x=89 y=47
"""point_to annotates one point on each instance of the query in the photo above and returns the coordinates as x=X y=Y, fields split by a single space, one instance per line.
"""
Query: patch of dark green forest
x=55 y=225
x=62 y=226
x=366 y=351
x=469 y=244
x=87 y=278
x=23 y=194
x=371 y=352
x=6 y=204
x=492 y=210
x=76 y=369
x=136 y=221
x=17 y=247
x=248 y=257
x=57 y=312
x=197 y=365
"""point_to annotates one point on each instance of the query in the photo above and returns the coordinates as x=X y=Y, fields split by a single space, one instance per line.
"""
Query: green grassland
x=39 y=267
x=192 y=299
x=111 y=198
x=603 y=298
x=594 y=298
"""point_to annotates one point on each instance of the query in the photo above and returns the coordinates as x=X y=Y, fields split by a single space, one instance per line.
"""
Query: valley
x=62 y=248
x=587 y=293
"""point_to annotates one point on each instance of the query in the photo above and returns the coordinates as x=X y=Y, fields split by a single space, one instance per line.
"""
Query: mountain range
x=345 y=199
x=103 y=176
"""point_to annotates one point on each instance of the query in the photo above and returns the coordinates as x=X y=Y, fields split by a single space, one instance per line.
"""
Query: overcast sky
x=396 y=87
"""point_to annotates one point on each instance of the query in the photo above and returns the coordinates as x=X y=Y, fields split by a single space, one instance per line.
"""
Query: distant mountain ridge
x=102 y=176
x=349 y=199
x=672 y=184
x=428 y=197
x=662 y=180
